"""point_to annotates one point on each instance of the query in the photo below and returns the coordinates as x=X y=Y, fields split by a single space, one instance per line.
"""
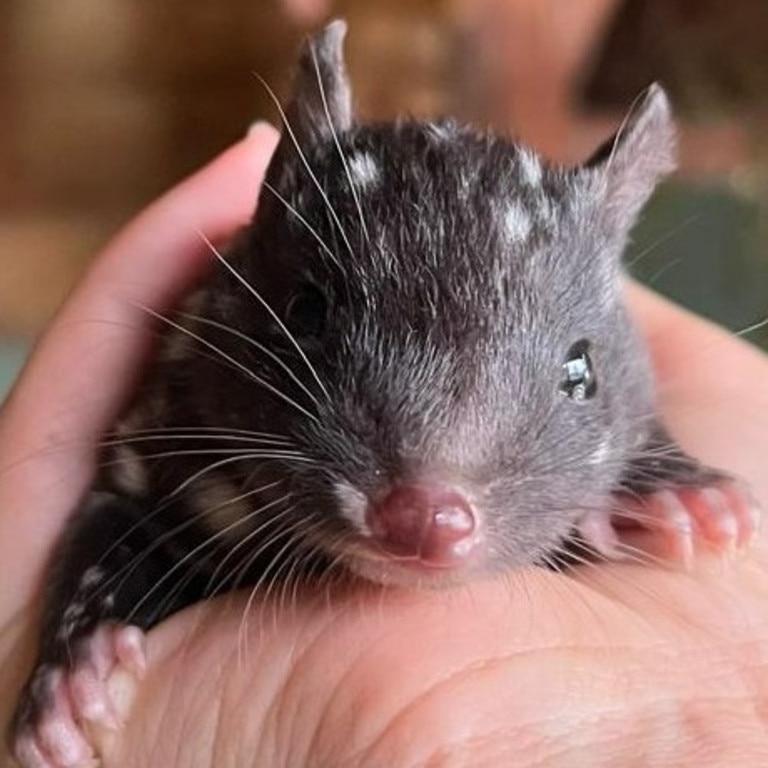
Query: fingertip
x=83 y=369
x=261 y=131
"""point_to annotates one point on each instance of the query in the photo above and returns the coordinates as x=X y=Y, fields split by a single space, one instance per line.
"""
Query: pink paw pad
x=67 y=701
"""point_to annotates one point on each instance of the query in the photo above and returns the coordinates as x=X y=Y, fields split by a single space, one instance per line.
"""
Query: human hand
x=620 y=664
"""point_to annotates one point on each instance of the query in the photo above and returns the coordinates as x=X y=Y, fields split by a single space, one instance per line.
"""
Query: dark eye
x=579 y=381
x=306 y=312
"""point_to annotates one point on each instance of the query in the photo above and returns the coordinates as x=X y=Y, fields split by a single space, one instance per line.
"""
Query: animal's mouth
x=365 y=556
x=385 y=569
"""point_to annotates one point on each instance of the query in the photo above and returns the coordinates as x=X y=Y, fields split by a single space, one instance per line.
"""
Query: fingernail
x=258 y=125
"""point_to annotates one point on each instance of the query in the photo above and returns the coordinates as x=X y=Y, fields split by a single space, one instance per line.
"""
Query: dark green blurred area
x=12 y=354
x=703 y=245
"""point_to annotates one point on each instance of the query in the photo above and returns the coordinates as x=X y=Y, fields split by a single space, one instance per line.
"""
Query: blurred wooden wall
x=104 y=103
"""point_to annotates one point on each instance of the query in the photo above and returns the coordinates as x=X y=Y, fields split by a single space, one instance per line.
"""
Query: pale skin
x=619 y=665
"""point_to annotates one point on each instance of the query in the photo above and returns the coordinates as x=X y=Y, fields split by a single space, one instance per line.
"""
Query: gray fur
x=400 y=310
x=459 y=268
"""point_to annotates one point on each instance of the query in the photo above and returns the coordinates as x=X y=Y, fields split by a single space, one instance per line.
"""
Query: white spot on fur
x=441 y=131
x=128 y=470
x=178 y=344
x=72 y=619
x=363 y=170
x=176 y=347
x=138 y=419
x=65 y=631
x=91 y=577
x=220 y=505
x=517 y=223
x=600 y=454
x=73 y=611
x=530 y=168
x=353 y=504
x=546 y=213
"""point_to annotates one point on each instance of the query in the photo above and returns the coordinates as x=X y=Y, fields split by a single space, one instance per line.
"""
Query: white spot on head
x=546 y=212
x=530 y=168
x=363 y=170
x=441 y=131
x=517 y=222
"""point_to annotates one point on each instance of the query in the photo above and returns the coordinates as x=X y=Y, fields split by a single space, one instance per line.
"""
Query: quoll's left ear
x=321 y=104
x=625 y=170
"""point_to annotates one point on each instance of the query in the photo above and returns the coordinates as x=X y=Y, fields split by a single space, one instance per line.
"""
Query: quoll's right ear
x=321 y=104
x=623 y=173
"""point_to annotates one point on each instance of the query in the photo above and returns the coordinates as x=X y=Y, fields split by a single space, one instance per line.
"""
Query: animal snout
x=428 y=525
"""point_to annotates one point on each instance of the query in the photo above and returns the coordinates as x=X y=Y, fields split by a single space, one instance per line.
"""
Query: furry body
x=422 y=330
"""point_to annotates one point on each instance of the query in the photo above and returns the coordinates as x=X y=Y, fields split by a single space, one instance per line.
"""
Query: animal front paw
x=720 y=518
x=60 y=704
x=677 y=524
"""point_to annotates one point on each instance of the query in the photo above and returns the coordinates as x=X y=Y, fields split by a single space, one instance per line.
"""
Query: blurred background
x=105 y=103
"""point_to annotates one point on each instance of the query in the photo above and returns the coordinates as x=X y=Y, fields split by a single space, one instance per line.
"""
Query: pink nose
x=433 y=524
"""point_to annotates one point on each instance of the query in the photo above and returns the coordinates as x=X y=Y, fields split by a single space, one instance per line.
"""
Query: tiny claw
x=131 y=649
x=597 y=530
x=676 y=525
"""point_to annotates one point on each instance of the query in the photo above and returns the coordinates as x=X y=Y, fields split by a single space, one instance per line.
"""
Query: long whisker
x=312 y=231
x=271 y=573
x=760 y=324
x=231 y=360
x=634 y=556
x=170 y=437
x=663 y=239
x=189 y=556
x=245 y=540
x=201 y=428
x=245 y=453
x=336 y=142
x=248 y=340
x=179 y=489
x=288 y=532
x=305 y=163
x=269 y=309
x=191 y=520
x=622 y=130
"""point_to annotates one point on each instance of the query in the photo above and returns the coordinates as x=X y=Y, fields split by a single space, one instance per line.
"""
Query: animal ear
x=626 y=169
x=321 y=104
